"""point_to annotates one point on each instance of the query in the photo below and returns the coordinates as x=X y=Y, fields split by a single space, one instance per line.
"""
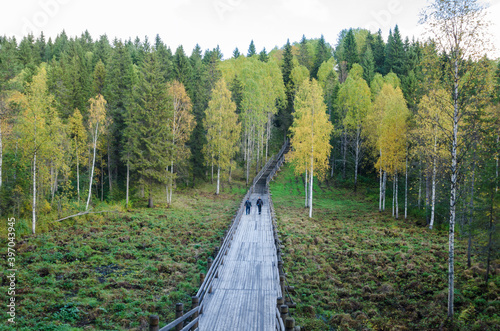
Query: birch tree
x=432 y=120
x=223 y=129
x=182 y=125
x=390 y=105
x=460 y=30
x=97 y=120
x=311 y=131
x=355 y=97
x=37 y=120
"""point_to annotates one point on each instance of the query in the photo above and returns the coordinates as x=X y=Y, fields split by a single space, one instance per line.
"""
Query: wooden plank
x=244 y=295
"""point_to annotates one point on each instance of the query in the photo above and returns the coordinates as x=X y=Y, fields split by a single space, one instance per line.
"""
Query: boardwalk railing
x=284 y=300
x=212 y=268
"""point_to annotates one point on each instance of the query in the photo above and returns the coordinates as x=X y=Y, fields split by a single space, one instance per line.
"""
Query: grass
x=357 y=269
x=111 y=271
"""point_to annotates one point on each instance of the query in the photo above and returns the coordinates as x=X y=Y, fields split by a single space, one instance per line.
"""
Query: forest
x=88 y=125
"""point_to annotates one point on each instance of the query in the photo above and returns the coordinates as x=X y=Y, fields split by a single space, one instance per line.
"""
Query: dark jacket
x=260 y=203
x=248 y=204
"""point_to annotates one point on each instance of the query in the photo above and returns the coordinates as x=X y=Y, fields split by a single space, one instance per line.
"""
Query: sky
x=227 y=23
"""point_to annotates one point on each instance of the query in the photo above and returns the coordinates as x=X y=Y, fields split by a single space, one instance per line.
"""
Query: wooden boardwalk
x=244 y=295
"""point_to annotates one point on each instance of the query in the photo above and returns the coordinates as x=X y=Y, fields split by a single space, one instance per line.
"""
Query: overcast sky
x=227 y=23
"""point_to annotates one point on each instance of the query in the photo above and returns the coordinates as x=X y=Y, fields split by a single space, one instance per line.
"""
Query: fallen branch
x=84 y=213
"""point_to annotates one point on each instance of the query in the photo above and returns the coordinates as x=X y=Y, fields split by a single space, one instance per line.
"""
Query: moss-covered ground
x=357 y=269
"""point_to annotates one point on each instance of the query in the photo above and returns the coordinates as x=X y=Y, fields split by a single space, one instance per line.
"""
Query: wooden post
x=289 y=324
x=194 y=303
x=279 y=302
x=280 y=267
x=283 y=312
x=282 y=285
x=209 y=263
x=202 y=278
x=179 y=311
x=153 y=323
x=216 y=251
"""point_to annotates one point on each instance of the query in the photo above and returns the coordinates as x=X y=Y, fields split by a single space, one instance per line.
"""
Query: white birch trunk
x=218 y=180
x=306 y=188
x=78 y=176
x=380 y=192
x=93 y=164
x=110 y=179
x=384 y=190
x=433 y=192
x=453 y=197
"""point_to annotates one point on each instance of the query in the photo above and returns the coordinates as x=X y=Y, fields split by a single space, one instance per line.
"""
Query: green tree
x=150 y=134
x=311 y=132
x=323 y=53
x=78 y=137
x=368 y=64
x=466 y=40
x=251 y=49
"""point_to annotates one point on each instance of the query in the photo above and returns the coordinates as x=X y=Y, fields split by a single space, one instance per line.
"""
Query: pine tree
x=263 y=57
x=286 y=111
x=368 y=64
x=323 y=53
x=350 y=54
x=251 y=49
x=78 y=137
x=236 y=53
x=150 y=134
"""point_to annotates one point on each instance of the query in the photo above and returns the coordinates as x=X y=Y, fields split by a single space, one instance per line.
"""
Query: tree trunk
x=34 y=182
x=128 y=180
x=171 y=182
x=212 y=173
x=384 y=189
x=333 y=165
x=110 y=178
x=344 y=152
x=93 y=164
x=433 y=195
x=150 y=200
x=420 y=185
x=393 y=194
x=471 y=212
x=34 y=188
x=490 y=230
x=218 y=180
x=453 y=196
x=102 y=181
x=356 y=161
x=78 y=176
x=311 y=189
x=396 y=195
x=306 y=180
x=380 y=191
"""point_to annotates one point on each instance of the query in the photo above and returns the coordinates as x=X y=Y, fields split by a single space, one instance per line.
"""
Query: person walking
x=248 y=204
x=260 y=203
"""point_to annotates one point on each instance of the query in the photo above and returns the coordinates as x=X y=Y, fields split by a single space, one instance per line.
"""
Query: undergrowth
x=357 y=269
x=111 y=271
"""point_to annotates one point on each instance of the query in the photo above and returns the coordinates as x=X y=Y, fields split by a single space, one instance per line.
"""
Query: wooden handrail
x=212 y=272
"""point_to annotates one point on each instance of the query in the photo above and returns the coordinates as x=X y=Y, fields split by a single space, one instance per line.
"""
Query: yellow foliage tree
x=311 y=131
